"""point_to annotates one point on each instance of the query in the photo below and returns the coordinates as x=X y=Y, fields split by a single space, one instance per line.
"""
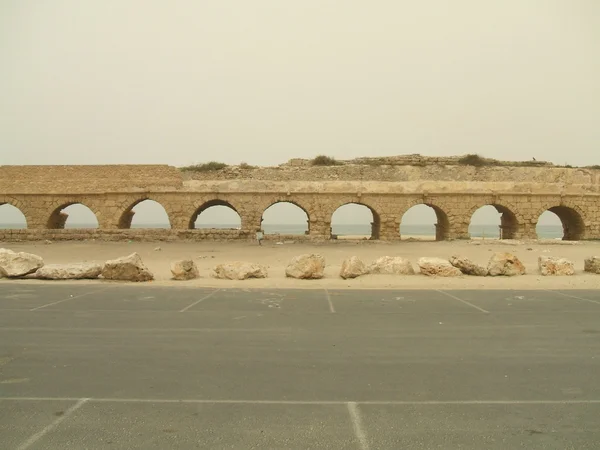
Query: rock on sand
x=71 y=271
x=505 y=264
x=127 y=268
x=551 y=265
x=184 y=269
x=353 y=267
x=438 y=267
x=240 y=270
x=13 y=264
x=307 y=266
x=391 y=265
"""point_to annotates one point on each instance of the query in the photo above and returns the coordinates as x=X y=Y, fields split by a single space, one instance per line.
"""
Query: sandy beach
x=158 y=256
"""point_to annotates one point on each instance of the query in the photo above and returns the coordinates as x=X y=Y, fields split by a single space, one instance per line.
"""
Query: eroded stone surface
x=438 y=267
x=18 y=264
x=592 y=264
x=505 y=264
x=127 y=268
x=307 y=266
x=353 y=267
x=468 y=267
x=240 y=270
x=71 y=271
x=184 y=269
x=392 y=265
x=552 y=265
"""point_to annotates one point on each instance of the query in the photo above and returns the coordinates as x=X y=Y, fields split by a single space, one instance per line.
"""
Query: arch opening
x=355 y=221
x=493 y=221
x=424 y=222
x=11 y=217
x=216 y=214
x=72 y=215
x=285 y=218
x=145 y=213
x=560 y=222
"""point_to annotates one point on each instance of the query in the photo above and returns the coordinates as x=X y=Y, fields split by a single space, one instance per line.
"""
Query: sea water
x=480 y=231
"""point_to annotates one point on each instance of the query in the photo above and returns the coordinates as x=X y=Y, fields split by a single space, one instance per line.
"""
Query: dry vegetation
x=205 y=167
x=323 y=160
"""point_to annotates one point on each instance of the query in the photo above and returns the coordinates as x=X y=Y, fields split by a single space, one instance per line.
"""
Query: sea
x=480 y=231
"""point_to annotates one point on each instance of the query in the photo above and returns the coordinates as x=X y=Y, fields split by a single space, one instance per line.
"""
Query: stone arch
x=126 y=217
x=15 y=217
x=571 y=219
x=375 y=224
x=509 y=222
x=442 y=227
x=58 y=217
x=210 y=204
x=298 y=207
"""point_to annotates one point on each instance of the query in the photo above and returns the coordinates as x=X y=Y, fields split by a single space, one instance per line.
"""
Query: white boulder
x=438 y=267
x=551 y=265
x=184 y=269
x=353 y=267
x=592 y=264
x=468 y=267
x=307 y=266
x=72 y=271
x=127 y=268
x=391 y=265
x=13 y=264
x=240 y=270
x=505 y=264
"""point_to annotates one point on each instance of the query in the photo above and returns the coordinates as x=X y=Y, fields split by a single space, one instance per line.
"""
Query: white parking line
x=36 y=437
x=201 y=300
x=304 y=402
x=573 y=296
x=359 y=431
x=70 y=298
x=331 y=308
x=463 y=301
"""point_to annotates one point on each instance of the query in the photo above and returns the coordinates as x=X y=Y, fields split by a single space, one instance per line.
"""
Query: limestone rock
x=468 y=267
x=72 y=271
x=551 y=265
x=505 y=264
x=438 y=267
x=592 y=264
x=239 y=270
x=391 y=265
x=127 y=268
x=307 y=266
x=13 y=264
x=184 y=269
x=353 y=267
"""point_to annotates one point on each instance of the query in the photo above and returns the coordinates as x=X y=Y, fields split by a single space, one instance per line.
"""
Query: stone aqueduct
x=455 y=192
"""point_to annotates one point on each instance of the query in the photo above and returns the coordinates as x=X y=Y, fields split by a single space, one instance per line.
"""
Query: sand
x=276 y=256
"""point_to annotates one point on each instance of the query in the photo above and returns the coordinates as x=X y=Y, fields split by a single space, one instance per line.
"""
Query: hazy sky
x=151 y=81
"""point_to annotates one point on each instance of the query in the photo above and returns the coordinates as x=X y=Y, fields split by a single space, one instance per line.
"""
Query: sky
x=183 y=82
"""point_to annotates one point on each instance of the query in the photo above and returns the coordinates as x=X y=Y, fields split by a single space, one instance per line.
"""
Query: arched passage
x=285 y=218
x=216 y=214
x=560 y=222
x=72 y=215
x=145 y=213
x=493 y=221
x=11 y=217
x=424 y=221
x=355 y=221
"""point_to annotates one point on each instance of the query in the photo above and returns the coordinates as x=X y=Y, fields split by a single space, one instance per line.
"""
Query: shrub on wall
x=205 y=167
x=323 y=160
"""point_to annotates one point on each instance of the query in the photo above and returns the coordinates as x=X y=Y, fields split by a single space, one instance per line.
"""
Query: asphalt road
x=113 y=366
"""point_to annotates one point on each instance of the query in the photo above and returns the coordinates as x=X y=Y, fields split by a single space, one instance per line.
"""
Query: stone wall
x=406 y=173
x=454 y=192
x=87 y=179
